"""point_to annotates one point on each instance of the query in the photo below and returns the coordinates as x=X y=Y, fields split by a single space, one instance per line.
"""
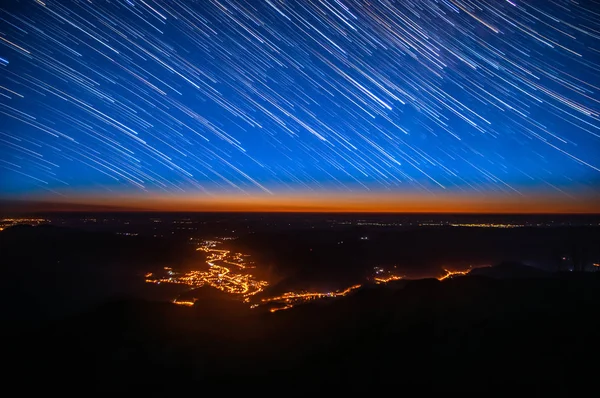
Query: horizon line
x=102 y=210
x=410 y=203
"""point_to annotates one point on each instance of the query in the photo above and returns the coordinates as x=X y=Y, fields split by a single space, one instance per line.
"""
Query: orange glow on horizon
x=337 y=202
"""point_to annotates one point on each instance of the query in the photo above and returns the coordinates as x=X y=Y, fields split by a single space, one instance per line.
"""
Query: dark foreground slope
x=467 y=334
x=50 y=272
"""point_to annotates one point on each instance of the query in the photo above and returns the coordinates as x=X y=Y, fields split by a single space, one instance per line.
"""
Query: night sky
x=114 y=100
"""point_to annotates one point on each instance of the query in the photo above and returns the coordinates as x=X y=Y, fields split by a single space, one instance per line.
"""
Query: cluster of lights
x=218 y=275
x=7 y=222
x=244 y=285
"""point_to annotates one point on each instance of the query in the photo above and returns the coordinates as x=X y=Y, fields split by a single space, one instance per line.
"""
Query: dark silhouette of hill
x=510 y=270
x=73 y=320
x=316 y=257
x=468 y=334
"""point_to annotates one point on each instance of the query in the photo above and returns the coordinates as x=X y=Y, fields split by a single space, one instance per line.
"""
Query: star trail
x=280 y=98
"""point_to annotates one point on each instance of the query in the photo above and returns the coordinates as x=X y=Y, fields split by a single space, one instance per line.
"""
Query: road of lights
x=380 y=280
x=451 y=274
x=187 y=303
x=290 y=299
